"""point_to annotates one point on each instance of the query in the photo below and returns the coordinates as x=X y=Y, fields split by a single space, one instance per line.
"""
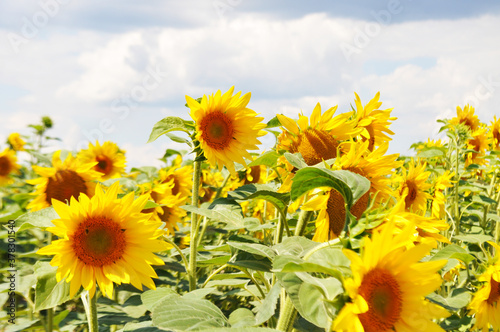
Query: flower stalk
x=194 y=225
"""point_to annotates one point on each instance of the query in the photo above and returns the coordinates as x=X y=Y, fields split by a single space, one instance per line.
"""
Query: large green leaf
x=48 y=292
x=294 y=245
x=42 y=218
x=226 y=213
x=253 y=248
x=350 y=185
x=269 y=159
x=266 y=308
x=454 y=251
x=260 y=191
x=177 y=313
x=168 y=124
x=241 y=317
x=152 y=298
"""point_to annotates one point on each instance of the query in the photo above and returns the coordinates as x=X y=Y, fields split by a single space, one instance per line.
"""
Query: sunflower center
x=64 y=185
x=217 y=130
x=254 y=174
x=316 y=145
x=5 y=166
x=99 y=241
x=176 y=187
x=371 y=140
x=104 y=164
x=494 y=292
x=336 y=211
x=381 y=291
x=412 y=194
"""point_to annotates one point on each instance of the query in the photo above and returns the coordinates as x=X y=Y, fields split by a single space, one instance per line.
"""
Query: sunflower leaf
x=166 y=125
x=48 y=292
x=42 y=218
x=269 y=158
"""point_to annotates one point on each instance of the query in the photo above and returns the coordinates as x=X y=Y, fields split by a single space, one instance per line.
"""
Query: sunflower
x=494 y=133
x=413 y=186
x=110 y=159
x=389 y=285
x=62 y=181
x=479 y=143
x=16 y=142
x=8 y=166
x=105 y=240
x=181 y=178
x=485 y=303
x=466 y=117
x=438 y=199
x=374 y=122
x=374 y=166
x=226 y=128
x=319 y=139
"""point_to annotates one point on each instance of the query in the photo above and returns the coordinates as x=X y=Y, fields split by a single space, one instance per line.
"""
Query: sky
x=110 y=70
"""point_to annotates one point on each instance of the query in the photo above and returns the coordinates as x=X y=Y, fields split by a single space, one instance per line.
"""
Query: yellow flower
x=318 y=140
x=438 y=200
x=105 y=240
x=8 y=166
x=485 y=304
x=110 y=159
x=495 y=133
x=16 y=142
x=226 y=128
x=413 y=186
x=374 y=122
x=479 y=143
x=62 y=181
x=466 y=117
x=181 y=178
x=389 y=285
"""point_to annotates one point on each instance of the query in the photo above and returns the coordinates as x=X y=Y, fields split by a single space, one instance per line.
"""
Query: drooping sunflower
x=16 y=142
x=110 y=159
x=389 y=285
x=494 y=133
x=479 y=143
x=105 y=240
x=8 y=166
x=319 y=139
x=413 y=186
x=225 y=128
x=374 y=121
x=485 y=304
x=374 y=166
x=466 y=117
x=62 y=181
x=181 y=178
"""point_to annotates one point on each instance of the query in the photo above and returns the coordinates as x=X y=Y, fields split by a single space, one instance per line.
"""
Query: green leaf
x=453 y=251
x=474 y=238
x=168 y=124
x=226 y=213
x=198 y=294
x=241 y=317
x=269 y=159
x=459 y=298
x=266 y=309
x=177 y=313
x=48 y=292
x=294 y=245
x=146 y=326
x=42 y=218
x=152 y=298
x=350 y=185
x=273 y=123
x=260 y=191
x=487 y=200
x=254 y=248
x=313 y=309
x=295 y=159
x=239 y=283
x=239 y=329
x=287 y=263
x=431 y=152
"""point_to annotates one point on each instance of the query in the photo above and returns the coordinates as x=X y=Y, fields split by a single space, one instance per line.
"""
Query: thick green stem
x=194 y=226
x=457 y=210
x=50 y=320
x=287 y=317
x=176 y=247
x=91 y=311
x=302 y=222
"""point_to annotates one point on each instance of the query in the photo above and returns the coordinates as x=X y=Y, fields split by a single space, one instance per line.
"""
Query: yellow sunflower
x=374 y=122
x=494 y=133
x=319 y=139
x=62 y=181
x=374 y=166
x=413 y=186
x=438 y=199
x=110 y=159
x=466 y=117
x=389 y=285
x=226 y=128
x=105 y=240
x=485 y=304
x=8 y=166
x=16 y=142
x=479 y=143
x=181 y=178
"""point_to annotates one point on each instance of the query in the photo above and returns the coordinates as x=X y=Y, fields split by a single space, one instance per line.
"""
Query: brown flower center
x=254 y=174
x=104 y=165
x=217 y=130
x=381 y=291
x=316 y=145
x=64 y=185
x=336 y=211
x=494 y=292
x=98 y=241
x=5 y=166
x=412 y=194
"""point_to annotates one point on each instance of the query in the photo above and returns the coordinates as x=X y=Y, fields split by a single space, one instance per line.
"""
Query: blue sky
x=111 y=69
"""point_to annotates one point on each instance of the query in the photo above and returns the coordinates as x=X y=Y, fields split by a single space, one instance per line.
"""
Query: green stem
x=203 y=229
x=302 y=222
x=219 y=190
x=50 y=320
x=214 y=274
x=457 y=210
x=194 y=226
x=176 y=247
x=279 y=229
x=91 y=311
x=287 y=317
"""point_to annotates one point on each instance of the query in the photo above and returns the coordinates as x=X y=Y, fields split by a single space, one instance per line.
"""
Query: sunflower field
x=326 y=231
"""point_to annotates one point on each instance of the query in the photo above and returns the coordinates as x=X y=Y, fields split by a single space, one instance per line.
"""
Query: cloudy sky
x=110 y=70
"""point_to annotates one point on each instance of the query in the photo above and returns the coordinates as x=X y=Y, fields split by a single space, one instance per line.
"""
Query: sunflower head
x=225 y=128
x=494 y=133
x=104 y=240
x=413 y=186
x=8 y=166
x=466 y=117
x=479 y=143
x=109 y=159
x=16 y=142
x=62 y=181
